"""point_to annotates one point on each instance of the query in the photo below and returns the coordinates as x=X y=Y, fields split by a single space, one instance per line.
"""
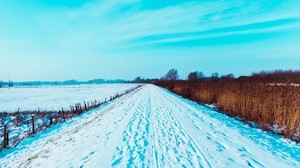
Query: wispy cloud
x=248 y=32
x=106 y=26
x=137 y=29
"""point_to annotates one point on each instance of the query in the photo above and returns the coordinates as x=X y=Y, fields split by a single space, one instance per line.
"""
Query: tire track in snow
x=183 y=149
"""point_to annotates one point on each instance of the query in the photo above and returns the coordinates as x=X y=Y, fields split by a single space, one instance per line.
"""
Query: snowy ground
x=19 y=126
x=55 y=97
x=151 y=127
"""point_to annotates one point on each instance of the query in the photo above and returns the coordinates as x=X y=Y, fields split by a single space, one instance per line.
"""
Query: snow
x=152 y=127
x=55 y=97
x=19 y=128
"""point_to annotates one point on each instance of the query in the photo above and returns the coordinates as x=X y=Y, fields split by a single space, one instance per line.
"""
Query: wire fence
x=16 y=126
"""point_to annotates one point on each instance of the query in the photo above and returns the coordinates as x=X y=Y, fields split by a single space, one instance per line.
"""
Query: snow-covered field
x=151 y=127
x=51 y=98
x=55 y=97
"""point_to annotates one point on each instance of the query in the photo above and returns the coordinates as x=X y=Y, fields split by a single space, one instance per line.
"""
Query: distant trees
x=5 y=84
x=215 y=75
x=137 y=80
x=172 y=74
x=143 y=80
x=195 y=76
x=276 y=76
x=228 y=77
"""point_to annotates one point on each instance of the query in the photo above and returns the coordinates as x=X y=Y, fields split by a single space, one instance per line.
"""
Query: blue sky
x=87 y=39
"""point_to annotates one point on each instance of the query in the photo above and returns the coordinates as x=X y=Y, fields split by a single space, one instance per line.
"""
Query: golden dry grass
x=265 y=104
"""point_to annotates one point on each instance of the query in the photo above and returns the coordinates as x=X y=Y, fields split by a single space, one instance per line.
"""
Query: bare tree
x=171 y=75
x=137 y=80
x=193 y=76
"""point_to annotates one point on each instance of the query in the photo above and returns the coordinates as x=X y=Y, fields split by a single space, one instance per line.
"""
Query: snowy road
x=151 y=127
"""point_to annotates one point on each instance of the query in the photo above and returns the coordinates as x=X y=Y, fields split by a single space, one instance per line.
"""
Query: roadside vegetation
x=269 y=99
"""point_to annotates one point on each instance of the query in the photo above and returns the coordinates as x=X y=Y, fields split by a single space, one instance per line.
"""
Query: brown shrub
x=267 y=105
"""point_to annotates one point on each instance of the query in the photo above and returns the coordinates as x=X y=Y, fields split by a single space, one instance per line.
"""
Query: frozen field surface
x=55 y=97
x=151 y=127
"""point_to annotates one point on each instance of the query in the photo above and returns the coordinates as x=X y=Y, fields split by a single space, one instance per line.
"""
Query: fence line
x=38 y=121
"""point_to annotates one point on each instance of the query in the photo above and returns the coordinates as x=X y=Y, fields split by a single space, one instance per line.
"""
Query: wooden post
x=51 y=120
x=80 y=108
x=5 y=137
x=85 y=107
x=63 y=114
x=32 y=124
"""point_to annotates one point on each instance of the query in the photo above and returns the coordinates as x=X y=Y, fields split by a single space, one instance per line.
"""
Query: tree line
x=6 y=84
x=275 y=76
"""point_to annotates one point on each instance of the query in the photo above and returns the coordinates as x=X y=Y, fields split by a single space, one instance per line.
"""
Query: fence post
x=5 y=137
x=51 y=119
x=32 y=124
x=76 y=108
x=85 y=107
x=63 y=114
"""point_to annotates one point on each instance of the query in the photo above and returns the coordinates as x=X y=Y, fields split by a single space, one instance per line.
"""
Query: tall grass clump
x=273 y=107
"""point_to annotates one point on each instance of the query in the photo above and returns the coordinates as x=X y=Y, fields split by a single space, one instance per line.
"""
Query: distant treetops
x=276 y=76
